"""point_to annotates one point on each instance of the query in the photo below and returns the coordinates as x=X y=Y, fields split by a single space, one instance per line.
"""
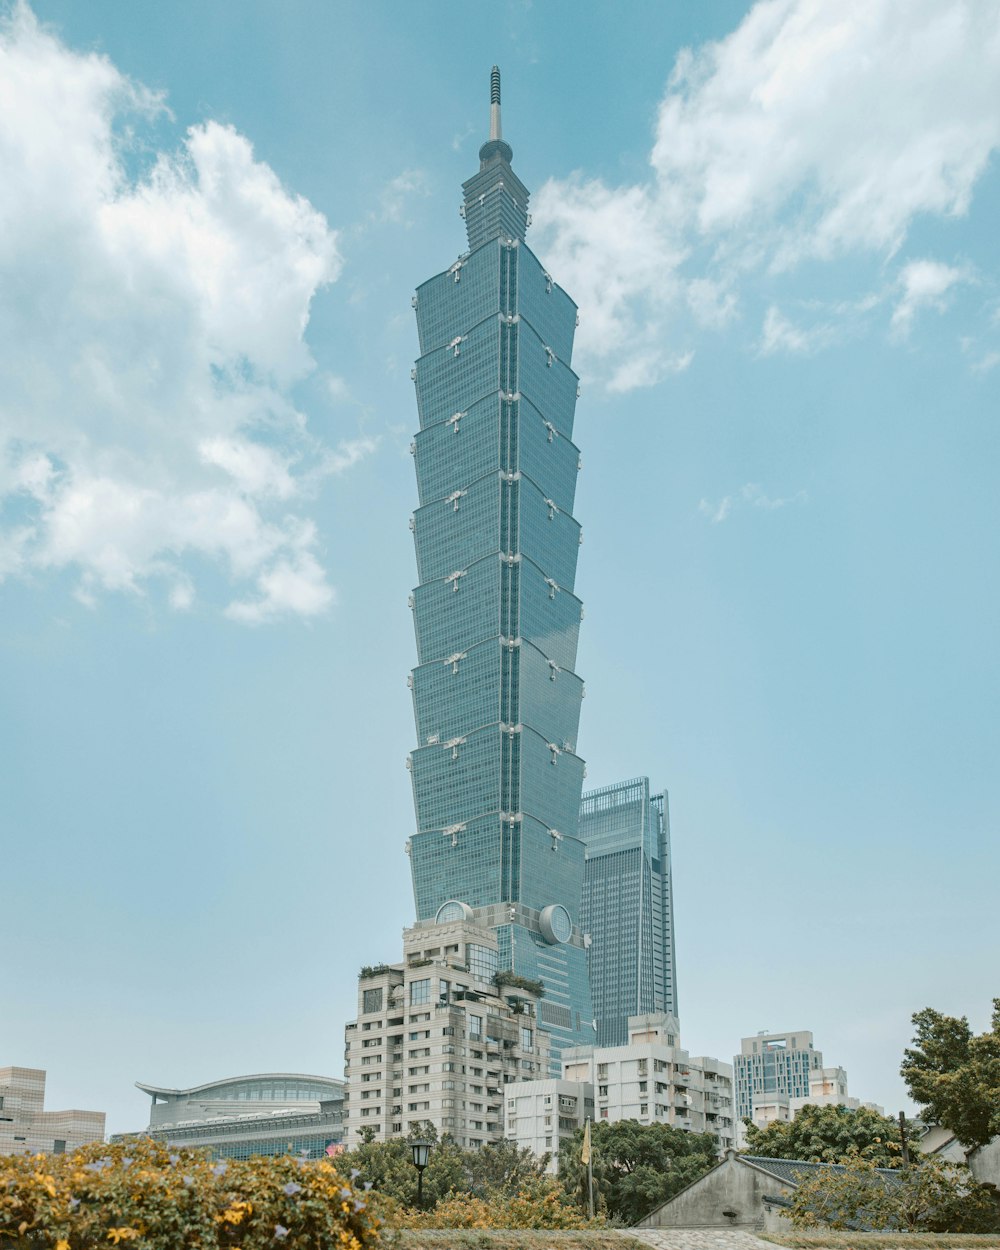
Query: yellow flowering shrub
x=542 y=1205
x=163 y=1199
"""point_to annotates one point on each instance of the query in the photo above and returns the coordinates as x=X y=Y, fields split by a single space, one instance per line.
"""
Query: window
x=642 y=1086
x=475 y=1027
x=59 y=1146
x=602 y=1091
x=483 y=962
x=420 y=991
x=372 y=1000
x=525 y=1039
x=644 y=1108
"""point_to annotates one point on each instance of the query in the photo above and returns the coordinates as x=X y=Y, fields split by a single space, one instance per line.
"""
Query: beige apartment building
x=650 y=1079
x=27 y=1128
x=439 y=1036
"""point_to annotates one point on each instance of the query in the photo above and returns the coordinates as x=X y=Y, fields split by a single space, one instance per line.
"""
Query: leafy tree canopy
x=636 y=1166
x=954 y=1076
x=934 y=1197
x=829 y=1135
x=498 y=1171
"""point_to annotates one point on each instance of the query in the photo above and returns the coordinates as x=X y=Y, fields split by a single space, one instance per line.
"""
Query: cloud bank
x=152 y=311
x=813 y=131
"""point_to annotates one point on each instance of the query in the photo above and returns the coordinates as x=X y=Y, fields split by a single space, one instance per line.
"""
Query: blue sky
x=779 y=221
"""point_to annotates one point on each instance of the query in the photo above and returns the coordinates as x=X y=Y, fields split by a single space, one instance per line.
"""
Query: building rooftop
x=791 y=1171
x=293 y=1085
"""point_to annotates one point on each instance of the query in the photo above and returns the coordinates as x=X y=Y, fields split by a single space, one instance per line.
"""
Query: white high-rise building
x=439 y=1036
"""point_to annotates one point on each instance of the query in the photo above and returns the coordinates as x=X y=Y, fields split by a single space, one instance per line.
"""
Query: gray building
x=27 y=1128
x=269 y=1113
x=742 y=1192
x=627 y=905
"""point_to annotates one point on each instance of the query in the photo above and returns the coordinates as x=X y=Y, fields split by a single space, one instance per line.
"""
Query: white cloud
x=292 y=584
x=397 y=195
x=778 y=334
x=924 y=284
x=748 y=496
x=813 y=131
x=151 y=327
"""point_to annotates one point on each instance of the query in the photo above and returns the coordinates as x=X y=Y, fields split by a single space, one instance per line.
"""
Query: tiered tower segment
x=496 y=778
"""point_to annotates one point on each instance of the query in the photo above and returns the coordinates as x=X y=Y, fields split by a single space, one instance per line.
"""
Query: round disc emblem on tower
x=556 y=924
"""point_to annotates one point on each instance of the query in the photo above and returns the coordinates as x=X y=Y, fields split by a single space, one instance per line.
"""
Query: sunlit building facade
x=496 y=777
x=628 y=905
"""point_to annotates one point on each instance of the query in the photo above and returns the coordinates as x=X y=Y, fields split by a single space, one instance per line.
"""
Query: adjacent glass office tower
x=496 y=778
x=628 y=905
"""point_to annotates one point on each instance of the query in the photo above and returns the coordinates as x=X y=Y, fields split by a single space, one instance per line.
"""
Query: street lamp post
x=420 y=1150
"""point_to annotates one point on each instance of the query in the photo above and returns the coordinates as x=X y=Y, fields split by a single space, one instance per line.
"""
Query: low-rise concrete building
x=439 y=1036
x=982 y=1161
x=741 y=1192
x=27 y=1128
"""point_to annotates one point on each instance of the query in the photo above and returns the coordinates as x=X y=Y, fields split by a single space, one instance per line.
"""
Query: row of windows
x=470 y=524
x=495 y=434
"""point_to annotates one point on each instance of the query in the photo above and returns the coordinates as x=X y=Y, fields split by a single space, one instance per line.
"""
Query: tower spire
x=496 y=201
x=495 y=131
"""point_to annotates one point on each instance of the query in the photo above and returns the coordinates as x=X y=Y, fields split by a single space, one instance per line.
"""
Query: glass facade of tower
x=496 y=778
x=628 y=905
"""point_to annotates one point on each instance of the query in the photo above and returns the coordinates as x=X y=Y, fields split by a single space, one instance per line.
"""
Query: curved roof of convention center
x=331 y=1083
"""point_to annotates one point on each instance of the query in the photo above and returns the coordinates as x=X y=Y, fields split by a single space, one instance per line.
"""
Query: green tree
x=503 y=1169
x=829 y=1135
x=933 y=1197
x=388 y=1167
x=954 y=1076
x=636 y=1166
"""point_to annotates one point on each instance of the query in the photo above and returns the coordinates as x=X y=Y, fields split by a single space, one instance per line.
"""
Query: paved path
x=699 y=1239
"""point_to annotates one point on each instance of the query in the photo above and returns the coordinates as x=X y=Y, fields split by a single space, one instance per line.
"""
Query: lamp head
x=420 y=1151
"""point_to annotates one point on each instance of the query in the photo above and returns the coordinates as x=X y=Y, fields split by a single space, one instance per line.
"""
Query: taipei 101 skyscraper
x=496 y=778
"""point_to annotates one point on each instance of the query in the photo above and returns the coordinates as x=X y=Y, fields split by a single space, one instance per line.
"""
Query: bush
x=101 y=1196
x=541 y=1205
x=929 y=1197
